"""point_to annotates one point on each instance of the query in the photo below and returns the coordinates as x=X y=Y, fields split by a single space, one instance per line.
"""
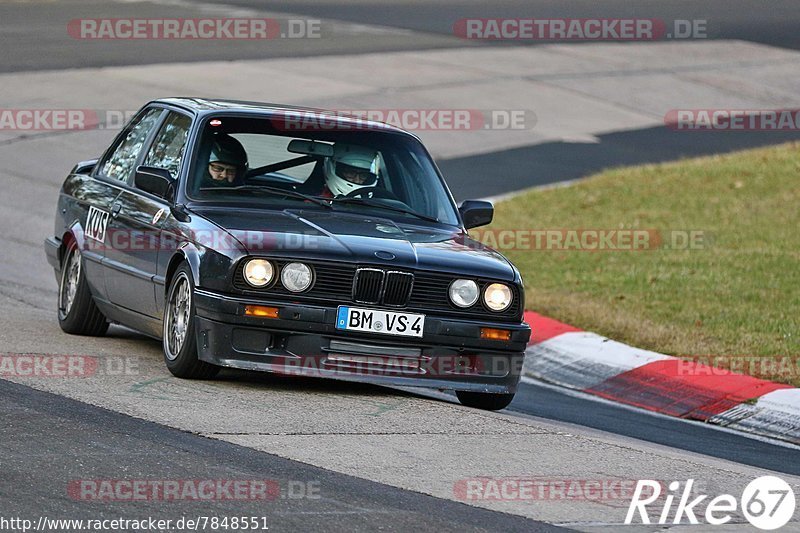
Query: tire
x=484 y=400
x=180 y=341
x=77 y=312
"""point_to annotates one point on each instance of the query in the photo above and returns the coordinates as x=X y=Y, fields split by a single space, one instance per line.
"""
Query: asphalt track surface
x=558 y=161
x=543 y=401
x=773 y=23
x=80 y=441
x=33 y=33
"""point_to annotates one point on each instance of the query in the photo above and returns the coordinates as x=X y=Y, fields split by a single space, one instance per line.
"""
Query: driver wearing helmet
x=227 y=163
x=351 y=168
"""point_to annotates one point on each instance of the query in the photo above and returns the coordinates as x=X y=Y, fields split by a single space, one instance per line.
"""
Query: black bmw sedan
x=287 y=240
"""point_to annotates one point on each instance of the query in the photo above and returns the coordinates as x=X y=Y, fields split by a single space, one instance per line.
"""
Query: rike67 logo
x=767 y=502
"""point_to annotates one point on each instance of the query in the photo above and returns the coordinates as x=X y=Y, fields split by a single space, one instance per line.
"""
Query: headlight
x=258 y=272
x=296 y=277
x=497 y=297
x=463 y=292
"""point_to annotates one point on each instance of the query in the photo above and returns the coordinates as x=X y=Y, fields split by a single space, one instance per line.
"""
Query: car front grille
x=397 y=288
x=419 y=291
x=376 y=286
x=368 y=285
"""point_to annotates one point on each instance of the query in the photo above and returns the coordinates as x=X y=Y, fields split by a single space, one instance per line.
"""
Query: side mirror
x=476 y=213
x=84 y=167
x=157 y=181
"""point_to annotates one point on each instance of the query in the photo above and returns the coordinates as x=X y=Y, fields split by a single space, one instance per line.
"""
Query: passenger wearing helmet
x=227 y=163
x=351 y=168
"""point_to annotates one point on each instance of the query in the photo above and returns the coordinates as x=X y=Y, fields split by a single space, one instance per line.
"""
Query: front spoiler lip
x=308 y=354
x=396 y=381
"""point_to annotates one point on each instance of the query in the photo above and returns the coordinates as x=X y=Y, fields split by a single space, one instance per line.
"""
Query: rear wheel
x=180 y=342
x=77 y=312
x=484 y=400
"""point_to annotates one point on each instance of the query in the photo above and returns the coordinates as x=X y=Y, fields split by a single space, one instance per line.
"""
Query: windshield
x=250 y=161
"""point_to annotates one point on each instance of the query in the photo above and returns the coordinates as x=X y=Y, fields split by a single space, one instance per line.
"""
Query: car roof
x=206 y=106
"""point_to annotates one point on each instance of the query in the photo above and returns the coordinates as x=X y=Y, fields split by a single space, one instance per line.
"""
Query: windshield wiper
x=276 y=190
x=364 y=201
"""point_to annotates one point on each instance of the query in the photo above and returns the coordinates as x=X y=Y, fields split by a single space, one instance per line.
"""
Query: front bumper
x=304 y=341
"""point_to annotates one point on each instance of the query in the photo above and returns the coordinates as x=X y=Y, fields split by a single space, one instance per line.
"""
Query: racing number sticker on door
x=96 y=223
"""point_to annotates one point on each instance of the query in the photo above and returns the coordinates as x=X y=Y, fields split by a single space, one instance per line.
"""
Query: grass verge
x=715 y=272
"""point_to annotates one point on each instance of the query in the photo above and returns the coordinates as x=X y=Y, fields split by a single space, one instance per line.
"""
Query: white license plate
x=377 y=321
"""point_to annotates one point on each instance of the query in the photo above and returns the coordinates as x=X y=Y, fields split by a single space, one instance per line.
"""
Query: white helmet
x=351 y=167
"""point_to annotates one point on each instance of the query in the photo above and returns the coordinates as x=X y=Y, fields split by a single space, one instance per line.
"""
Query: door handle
x=115 y=209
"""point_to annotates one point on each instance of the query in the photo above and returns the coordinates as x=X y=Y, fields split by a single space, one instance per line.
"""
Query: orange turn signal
x=261 y=311
x=495 y=334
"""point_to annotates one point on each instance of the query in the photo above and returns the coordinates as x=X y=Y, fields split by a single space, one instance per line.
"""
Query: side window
x=119 y=166
x=170 y=143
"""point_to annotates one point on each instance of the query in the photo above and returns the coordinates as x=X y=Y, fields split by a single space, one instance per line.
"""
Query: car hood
x=358 y=238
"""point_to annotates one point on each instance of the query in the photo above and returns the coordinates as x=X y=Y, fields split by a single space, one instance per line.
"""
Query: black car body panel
x=132 y=242
x=351 y=237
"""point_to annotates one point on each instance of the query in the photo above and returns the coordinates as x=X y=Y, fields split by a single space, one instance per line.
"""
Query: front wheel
x=77 y=312
x=484 y=400
x=180 y=343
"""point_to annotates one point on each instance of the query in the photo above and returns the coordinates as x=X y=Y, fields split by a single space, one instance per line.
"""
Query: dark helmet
x=226 y=149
